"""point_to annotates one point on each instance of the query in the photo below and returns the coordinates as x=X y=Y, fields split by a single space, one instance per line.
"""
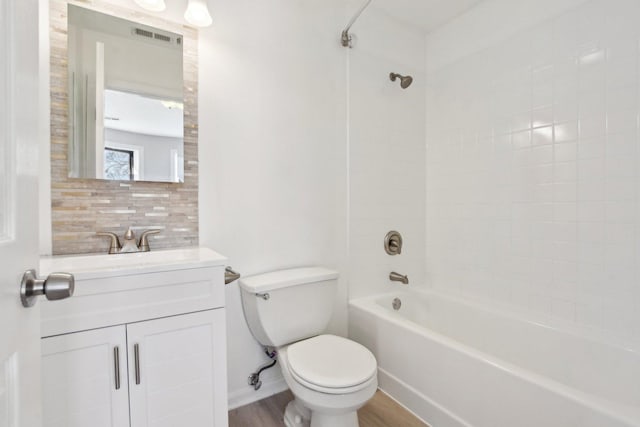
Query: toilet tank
x=285 y=306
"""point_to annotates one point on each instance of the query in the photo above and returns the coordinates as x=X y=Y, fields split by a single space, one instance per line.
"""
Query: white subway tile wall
x=533 y=181
x=386 y=153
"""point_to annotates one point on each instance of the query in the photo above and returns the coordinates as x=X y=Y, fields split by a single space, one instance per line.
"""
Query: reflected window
x=118 y=164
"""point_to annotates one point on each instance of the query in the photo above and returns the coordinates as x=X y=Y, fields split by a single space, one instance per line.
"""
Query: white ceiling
x=425 y=14
x=135 y=113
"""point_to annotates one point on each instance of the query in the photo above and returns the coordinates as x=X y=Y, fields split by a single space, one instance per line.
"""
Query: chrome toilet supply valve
x=254 y=378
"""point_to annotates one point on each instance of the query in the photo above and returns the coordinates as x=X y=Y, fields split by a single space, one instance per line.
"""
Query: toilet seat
x=331 y=364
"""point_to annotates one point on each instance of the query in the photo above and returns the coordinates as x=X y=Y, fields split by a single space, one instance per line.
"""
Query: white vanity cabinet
x=176 y=382
x=139 y=344
x=78 y=382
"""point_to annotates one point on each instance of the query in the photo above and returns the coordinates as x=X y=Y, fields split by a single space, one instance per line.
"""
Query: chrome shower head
x=405 y=81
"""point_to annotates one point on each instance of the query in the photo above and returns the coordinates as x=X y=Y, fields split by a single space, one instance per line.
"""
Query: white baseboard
x=248 y=395
x=417 y=403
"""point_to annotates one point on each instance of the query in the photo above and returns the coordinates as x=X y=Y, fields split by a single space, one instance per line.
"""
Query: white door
x=177 y=371
x=86 y=379
x=19 y=327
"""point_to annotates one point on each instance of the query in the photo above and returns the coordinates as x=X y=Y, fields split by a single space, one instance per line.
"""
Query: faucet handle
x=129 y=234
x=143 y=246
x=115 y=246
x=393 y=243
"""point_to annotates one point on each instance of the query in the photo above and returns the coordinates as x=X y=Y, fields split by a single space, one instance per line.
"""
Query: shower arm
x=346 y=37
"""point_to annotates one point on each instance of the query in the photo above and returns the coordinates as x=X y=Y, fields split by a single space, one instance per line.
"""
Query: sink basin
x=104 y=265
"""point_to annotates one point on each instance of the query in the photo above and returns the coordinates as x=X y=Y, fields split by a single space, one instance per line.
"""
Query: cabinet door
x=177 y=371
x=81 y=384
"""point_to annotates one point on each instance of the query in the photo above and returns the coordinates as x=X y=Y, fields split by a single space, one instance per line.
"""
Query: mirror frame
x=80 y=207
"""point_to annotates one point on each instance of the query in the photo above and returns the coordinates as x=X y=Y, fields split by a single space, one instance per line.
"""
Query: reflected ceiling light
x=197 y=13
x=152 y=5
x=172 y=105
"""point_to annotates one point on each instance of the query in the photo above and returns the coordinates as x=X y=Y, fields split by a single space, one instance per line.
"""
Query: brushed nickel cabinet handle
x=136 y=361
x=116 y=365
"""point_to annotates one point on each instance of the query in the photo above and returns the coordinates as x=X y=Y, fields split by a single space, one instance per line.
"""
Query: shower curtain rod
x=346 y=37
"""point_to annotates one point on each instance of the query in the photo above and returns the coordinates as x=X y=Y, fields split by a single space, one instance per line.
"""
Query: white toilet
x=331 y=377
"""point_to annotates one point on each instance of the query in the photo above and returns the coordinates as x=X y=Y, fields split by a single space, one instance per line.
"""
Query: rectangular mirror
x=126 y=110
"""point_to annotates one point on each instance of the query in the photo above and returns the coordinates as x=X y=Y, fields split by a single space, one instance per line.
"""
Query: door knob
x=56 y=286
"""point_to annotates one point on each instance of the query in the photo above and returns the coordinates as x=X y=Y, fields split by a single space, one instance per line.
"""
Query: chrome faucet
x=397 y=277
x=130 y=245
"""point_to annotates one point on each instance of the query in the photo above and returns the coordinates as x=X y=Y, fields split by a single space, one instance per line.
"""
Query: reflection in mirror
x=125 y=100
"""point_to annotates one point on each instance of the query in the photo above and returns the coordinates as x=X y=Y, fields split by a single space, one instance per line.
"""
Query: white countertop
x=94 y=266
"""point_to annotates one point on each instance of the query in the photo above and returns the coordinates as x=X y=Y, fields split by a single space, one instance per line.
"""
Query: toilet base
x=350 y=419
x=296 y=415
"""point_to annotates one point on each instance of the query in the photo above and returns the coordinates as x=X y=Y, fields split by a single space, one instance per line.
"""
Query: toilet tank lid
x=285 y=278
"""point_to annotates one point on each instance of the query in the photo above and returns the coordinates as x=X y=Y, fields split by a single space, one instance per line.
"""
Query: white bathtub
x=456 y=363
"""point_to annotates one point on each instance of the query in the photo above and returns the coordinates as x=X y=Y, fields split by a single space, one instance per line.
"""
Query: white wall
x=272 y=149
x=273 y=152
x=532 y=174
x=489 y=23
x=386 y=152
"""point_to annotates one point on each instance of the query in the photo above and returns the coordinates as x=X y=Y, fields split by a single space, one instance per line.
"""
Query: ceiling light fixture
x=152 y=5
x=197 y=13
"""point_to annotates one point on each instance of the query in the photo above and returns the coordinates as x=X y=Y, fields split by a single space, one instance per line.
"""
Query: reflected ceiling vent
x=143 y=33
x=162 y=37
x=151 y=35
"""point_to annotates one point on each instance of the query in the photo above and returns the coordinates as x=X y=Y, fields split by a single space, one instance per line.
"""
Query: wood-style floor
x=381 y=411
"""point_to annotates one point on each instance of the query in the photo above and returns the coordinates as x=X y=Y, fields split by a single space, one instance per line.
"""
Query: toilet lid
x=332 y=362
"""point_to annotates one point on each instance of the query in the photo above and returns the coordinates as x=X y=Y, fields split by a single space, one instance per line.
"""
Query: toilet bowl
x=331 y=377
